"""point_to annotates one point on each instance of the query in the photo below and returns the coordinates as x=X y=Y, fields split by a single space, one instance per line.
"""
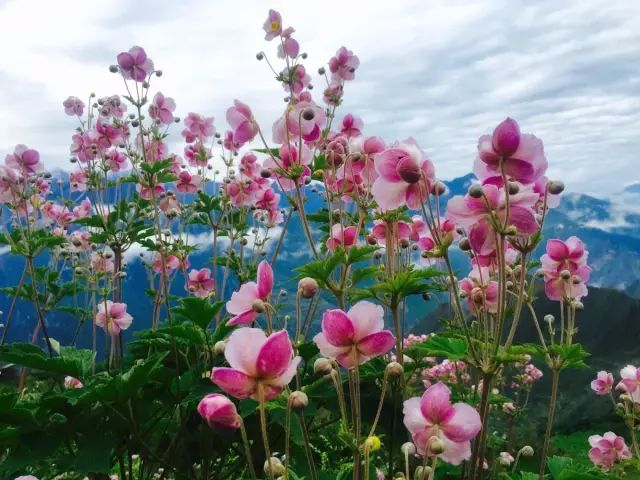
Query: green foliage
x=71 y=361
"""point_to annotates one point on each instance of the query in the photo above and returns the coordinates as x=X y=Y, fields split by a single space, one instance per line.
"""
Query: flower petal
x=377 y=343
x=265 y=280
x=367 y=318
x=234 y=382
x=338 y=328
x=274 y=356
x=243 y=348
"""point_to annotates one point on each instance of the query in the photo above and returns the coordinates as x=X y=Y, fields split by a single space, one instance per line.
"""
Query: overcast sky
x=443 y=72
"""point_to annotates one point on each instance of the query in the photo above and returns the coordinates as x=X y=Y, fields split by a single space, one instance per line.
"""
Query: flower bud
x=394 y=369
x=476 y=191
x=506 y=137
x=526 y=451
x=321 y=71
x=404 y=243
x=513 y=188
x=259 y=56
x=219 y=347
x=299 y=400
x=322 y=366
x=273 y=467
x=308 y=287
x=372 y=443
x=371 y=240
x=408 y=448
x=505 y=459
x=408 y=170
x=438 y=188
x=464 y=245
x=511 y=230
x=265 y=173
x=555 y=187
x=258 y=306
x=113 y=68
x=436 y=445
x=565 y=274
x=422 y=473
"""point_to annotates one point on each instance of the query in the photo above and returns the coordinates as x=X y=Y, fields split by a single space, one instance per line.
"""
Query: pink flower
x=200 y=282
x=171 y=263
x=289 y=47
x=198 y=127
x=134 y=64
x=73 y=106
x=272 y=25
x=188 y=183
x=25 y=160
x=468 y=211
x=630 y=382
x=101 y=264
x=8 y=184
x=332 y=95
x=78 y=181
x=248 y=302
x=344 y=64
x=115 y=160
x=354 y=337
x=565 y=269
x=295 y=79
x=72 y=382
x=219 y=411
x=603 y=383
x=26 y=477
x=480 y=291
x=607 y=450
x=82 y=210
x=290 y=157
x=433 y=415
x=241 y=120
x=107 y=134
x=257 y=362
x=379 y=231
x=113 y=317
x=161 y=109
x=351 y=126
x=342 y=236
x=294 y=124
x=405 y=175
x=521 y=156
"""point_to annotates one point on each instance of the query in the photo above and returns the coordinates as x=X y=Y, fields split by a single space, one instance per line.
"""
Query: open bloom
x=272 y=25
x=161 y=109
x=258 y=364
x=73 y=106
x=630 y=382
x=293 y=160
x=200 y=282
x=135 y=64
x=603 y=383
x=188 y=183
x=565 y=269
x=342 y=236
x=433 y=415
x=343 y=65
x=520 y=156
x=607 y=450
x=113 y=317
x=219 y=411
x=356 y=336
x=198 y=127
x=404 y=176
x=25 y=160
x=248 y=302
x=480 y=291
x=241 y=120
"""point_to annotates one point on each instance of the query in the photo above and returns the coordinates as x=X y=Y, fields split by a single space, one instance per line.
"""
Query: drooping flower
x=257 y=362
x=161 y=109
x=520 y=156
x=344 y=64
x=248 y=302
x=603 y=383
x=25 y=160
x=480 y=291
x=113 y=317
x=404 y=176
x=434 y=416
x=272 y=25
x=354 y=337
x=342 y=236
x=200 y=282
x=73 y=106
x=289 y=46
x=607 y=450
x=565 y=269
x=135 y=64
x=240 y=119
x=219 y=411
x=630 y=382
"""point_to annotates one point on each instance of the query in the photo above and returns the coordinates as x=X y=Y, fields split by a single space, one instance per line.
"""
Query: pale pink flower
x=80 y=240
x=404 y=176
x=135 y=64
x=630 y=382
x=200 y=282
x=342 y=236
x=73 y=106
x=344 y=64
x=107 y=135
x=272 y=25
x=72 y=382
x=480 y=291
x=78 y=181
x=257 y=363
x=433 y=415
x=607 y=450
x=246 y=303
x=295 y=121
x=8 y=184
x=25 y=160
x=380 y=227
x=565 y=269
x=290 y=156
x=354 y=337
x=351 y=126
x=332 y=95
x=603 y=383
x=198 y=127
x=295 y=79
x=188 y=183
x=147 y=192
x=241 y=120
x=112 y=107
x=219 y=411
x=289 y=46
x=101 y=264
x=506 y=459
x=83 y=209
x=113 y=317
x=171 y=263
x=161 y=109
x=520 y=156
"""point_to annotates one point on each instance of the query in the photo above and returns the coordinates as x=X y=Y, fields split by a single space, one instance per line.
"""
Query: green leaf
x=197 y=310
x=72 y=361
x=443 y=346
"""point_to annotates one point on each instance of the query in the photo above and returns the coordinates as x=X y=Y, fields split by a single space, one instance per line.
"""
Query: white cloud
x=442 y=71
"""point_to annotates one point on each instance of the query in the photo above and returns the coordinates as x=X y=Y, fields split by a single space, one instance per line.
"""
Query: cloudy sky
x=443 y=72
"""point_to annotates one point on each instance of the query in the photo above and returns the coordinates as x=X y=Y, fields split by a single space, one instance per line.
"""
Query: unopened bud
x=408 y=170
x=394 y=369
x=371 y=240
x=436 y=445
x=265 y=173
x=260 y=55
x=408 y=448
x=476 y=191
x=438 y=188
x=321 y=71
x=322 y=366
x=555 y=187
x=549 y=319
x=219 y=347
x=273 y=467
x=506 y=137
x=258 y=306
x=422 y=473
x=308 y=287
x=299 y=400
x=372 y=443
x=404 y=243
x=565 y=274
x=511 y=230
x=113 y=68
x=526 y=451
